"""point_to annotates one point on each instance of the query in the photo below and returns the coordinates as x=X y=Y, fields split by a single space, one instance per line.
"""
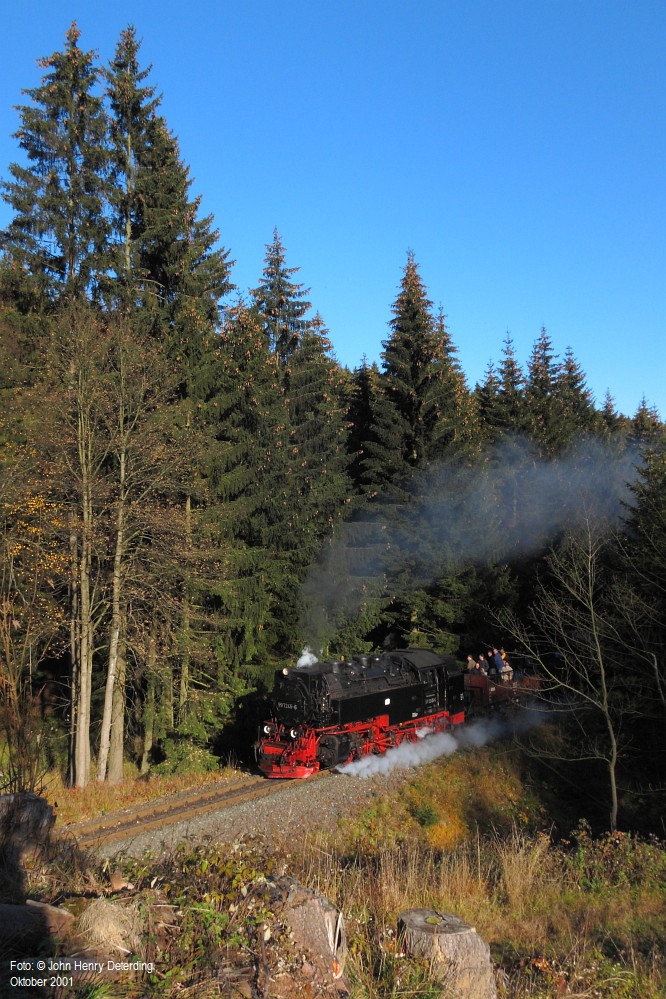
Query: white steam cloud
x=306 y=658
x=431 y=747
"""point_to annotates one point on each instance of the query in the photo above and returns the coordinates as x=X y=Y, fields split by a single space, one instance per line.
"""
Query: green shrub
x=185 y=756
x=425 y=813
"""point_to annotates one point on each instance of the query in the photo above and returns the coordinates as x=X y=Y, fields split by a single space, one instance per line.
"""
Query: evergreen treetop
x=646 y=427
x=487 y=397
x=511 y=410
x=60 y=230
x=281 y=303
x=133 y=107
x=544 y=411
x=575 y=399
x=415 y=362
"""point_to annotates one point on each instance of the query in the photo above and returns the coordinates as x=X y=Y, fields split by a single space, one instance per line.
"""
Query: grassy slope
x=564 y=914
x=480 y=834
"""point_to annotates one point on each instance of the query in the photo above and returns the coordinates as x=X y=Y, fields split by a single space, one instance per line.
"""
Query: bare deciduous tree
x=573 y=637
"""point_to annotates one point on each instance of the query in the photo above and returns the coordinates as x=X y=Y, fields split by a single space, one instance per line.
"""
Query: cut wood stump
x=319 y=928
x=458 y=957
x=26 y=821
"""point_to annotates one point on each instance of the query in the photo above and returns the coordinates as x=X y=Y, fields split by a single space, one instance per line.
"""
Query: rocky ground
x=295 y=809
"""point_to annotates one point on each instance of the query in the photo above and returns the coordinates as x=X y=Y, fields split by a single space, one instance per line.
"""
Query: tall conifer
x=458 y=433
x=487 y=399
x=281 y=303
x=543 y=406
x=411 y=372
x=511 y=413
x=251 y=491
x=60 y=230
x=133 y=106
x=645 y=426
x=579 y=416
x=367 y=405
x=318 y=408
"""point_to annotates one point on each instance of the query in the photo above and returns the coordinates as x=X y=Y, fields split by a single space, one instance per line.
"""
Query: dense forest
x=193 y=487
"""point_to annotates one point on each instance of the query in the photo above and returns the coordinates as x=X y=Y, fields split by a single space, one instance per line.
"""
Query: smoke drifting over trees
x=511 y=505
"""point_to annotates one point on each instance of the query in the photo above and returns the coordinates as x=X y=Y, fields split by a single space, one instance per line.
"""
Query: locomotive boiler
x=332 y=712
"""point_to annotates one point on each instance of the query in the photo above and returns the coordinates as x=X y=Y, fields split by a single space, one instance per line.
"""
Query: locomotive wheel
x=328 y=750
x=332 y=750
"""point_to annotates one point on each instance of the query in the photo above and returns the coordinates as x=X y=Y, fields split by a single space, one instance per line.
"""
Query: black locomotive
x=331 y=712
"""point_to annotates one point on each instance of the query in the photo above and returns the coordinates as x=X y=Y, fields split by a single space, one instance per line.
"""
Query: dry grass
x=550 y=933
x=78 y=804
x=524 y=872
x=585 y=918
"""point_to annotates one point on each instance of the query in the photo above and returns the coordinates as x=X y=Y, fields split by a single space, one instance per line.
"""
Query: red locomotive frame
x=284 y=755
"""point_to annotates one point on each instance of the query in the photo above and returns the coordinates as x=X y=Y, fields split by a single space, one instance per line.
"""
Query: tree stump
x=318 y=927
x=26 y=821
x=459 y=958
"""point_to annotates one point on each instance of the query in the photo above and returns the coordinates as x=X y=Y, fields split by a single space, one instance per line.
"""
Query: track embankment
x=183 y=811
x=280 y=812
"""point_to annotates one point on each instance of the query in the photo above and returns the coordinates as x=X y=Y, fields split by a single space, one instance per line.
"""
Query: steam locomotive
x=330 y=713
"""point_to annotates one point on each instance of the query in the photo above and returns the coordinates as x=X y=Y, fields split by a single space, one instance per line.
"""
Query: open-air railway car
x=486 y=693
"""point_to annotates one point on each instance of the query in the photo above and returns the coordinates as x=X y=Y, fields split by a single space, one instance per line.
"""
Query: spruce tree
x=412 y=374
x=317 y=402
x=612 y=426
x=164 y=254
x=251 y=503
x=281 y=303
x=487 y=397
x=60 y=230
x=423 y=385
x=579 y=416
x=365 y=414
x=645 y=426
x=133 y=106
x=510 y=415
x=544 y=411
x=422 y=421
x=181 y=274
x=459 y=432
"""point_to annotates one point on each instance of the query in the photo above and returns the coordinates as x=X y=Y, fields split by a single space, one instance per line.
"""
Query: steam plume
x=306 y=658
x=511 y=505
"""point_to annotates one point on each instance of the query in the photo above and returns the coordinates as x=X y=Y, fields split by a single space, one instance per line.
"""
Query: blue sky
x=518 y=148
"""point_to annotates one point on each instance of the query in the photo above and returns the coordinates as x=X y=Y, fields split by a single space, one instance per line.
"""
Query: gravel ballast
x=294 y=810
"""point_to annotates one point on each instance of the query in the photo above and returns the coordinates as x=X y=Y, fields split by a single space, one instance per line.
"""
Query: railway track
x=154 y=815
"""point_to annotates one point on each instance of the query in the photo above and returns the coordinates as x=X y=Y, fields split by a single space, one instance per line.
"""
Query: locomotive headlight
x=293 y=733
x=268 y=729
